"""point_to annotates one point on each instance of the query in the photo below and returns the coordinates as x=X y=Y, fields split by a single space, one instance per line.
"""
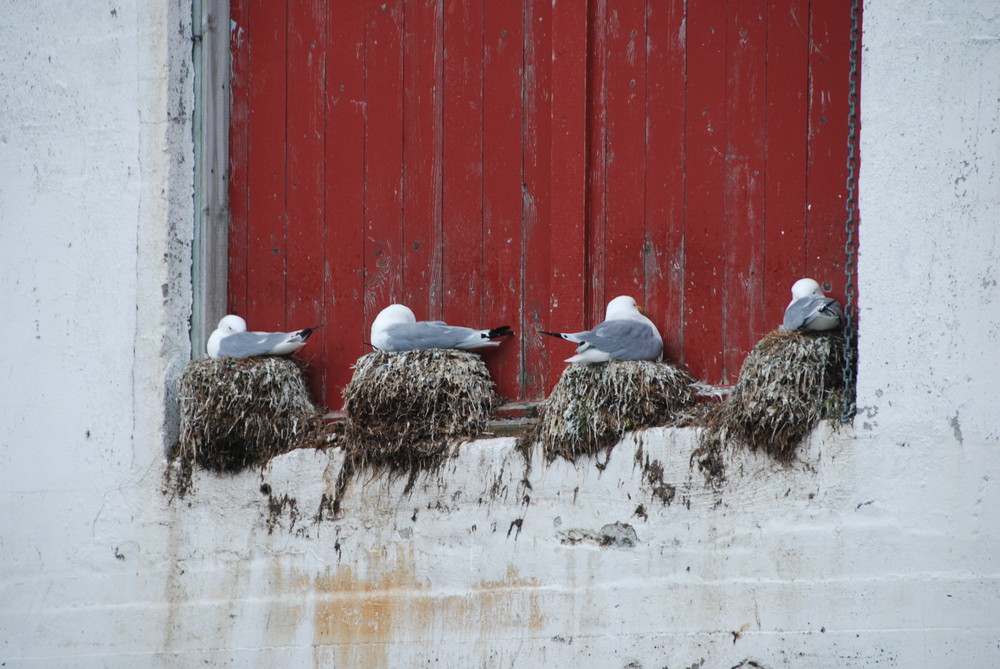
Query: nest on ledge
x=241 y=412
x=594 y=405
x=405 y=411
x=788 y=383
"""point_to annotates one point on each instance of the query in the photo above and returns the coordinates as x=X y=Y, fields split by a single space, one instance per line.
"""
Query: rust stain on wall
x=363 y=610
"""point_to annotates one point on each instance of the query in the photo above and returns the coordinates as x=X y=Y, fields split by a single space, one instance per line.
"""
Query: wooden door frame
x=210 y=34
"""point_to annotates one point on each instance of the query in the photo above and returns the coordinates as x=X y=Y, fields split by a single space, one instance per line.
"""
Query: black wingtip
x=308 y=331
x=502 y=331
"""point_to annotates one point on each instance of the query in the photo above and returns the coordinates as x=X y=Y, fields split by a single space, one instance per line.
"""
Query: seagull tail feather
x=560 y=335
x=308 y=331
x=502 y=331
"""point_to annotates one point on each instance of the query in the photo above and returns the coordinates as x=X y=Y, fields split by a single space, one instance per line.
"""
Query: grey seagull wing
x=624 y=340
x=246 y=344
x=805 y=310
x=424 y=335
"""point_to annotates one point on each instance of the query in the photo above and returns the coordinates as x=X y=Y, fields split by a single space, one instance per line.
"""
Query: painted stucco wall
x=879 y=547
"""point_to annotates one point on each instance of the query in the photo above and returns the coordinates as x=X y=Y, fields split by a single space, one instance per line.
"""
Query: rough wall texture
x=877 y=548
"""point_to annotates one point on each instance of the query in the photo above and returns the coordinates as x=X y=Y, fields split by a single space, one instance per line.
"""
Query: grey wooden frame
x=210 y=34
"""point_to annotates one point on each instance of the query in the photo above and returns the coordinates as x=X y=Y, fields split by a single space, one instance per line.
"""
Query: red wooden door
x=492 y=163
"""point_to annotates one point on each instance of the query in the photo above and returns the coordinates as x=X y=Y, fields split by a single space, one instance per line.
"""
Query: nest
x=593 y=406
x=406 y=410
x=789 y=382
x=241 y=412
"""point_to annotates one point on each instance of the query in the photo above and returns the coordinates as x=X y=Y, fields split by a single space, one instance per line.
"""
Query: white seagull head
x=393 y=314
x=623 y=307
x=231 y=323
x=806 y=288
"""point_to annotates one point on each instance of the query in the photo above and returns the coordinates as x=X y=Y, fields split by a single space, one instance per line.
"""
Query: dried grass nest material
x=593 y=406
x=241 y=412
x=788 y=383
x=405 y=410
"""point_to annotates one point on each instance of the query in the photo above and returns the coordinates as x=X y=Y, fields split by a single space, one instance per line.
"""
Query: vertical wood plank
x=744 y=183
x=568 y=169
x=597 y=101
x=383 y=156
x=624 y=160
x=423 y=59
x=704 y=230
x=305 y=182
x=463 y=163
x=786 y=142
x=266 y=168
x=239 y=128
x=536 y=197
x=502 y=124
x=344 y=193
x=665 y=113
x=829 y=67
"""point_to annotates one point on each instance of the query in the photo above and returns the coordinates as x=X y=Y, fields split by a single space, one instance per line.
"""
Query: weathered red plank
x=786 y=141
x=704 y=227
x=266 y=169
x=626 y=140
x=537 y=146
x=744 y=182
x=829 y=68
x=422 y=144
x=597 y=158
x=463 y=163
x=502 y=126
x=664 y=215
x=383 y=155
x=239 y=113
x=305 y=182
x=345 y=213
x=568 y=172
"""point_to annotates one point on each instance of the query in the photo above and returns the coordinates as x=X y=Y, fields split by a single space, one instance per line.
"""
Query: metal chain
x=848 y=407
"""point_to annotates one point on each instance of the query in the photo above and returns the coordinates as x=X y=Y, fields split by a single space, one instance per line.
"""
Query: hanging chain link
x=848 y=408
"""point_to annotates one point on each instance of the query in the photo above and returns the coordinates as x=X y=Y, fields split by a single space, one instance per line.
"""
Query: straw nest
x=241 y=412
x=406 y=410
x=593 y=406
x=789 y=382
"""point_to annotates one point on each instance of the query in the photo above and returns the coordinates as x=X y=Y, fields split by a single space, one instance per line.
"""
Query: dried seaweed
x=405 y=411
x=593 y=406
x=240 y=412
x=789 y=382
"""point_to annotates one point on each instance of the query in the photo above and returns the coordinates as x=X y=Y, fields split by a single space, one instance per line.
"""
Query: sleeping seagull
x=232 y=339
x=396 y=329
x=625 y=334
x=810 y=310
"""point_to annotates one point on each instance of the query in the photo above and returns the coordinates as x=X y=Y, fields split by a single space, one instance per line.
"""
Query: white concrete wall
x=95 y=231
x=878 y=548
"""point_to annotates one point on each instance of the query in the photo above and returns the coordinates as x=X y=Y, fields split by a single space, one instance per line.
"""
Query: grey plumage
x=437 y=334
x=813 y=313
x=620 y=339
x=625 y=334
x=245 y=344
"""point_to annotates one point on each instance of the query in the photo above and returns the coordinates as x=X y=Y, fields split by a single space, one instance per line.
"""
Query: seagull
x=232 y=339
x=397 y=329
x=625 y=334
x=810 y=310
